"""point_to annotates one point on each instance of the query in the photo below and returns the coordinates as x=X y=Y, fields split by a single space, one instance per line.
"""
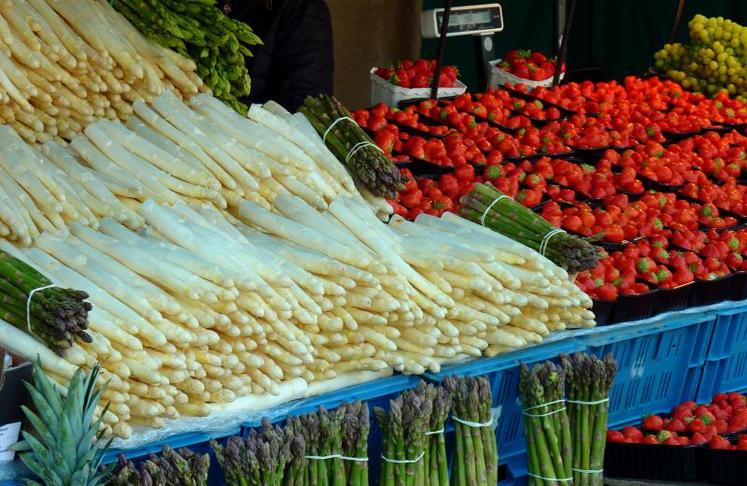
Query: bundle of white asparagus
x=231 y=255
x=65 y=63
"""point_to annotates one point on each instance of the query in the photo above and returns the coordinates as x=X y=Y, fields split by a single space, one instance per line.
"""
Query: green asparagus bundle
x=356 y=426
x=352 y=146
x=476 y=457
x=199 y=30
x=546 y=425
x=488 y=206
x=436 y=459
x=589 y=381
x=171 y=468
x=56 y=316
x=404 y=428
x=266 y=458
x=334 y=439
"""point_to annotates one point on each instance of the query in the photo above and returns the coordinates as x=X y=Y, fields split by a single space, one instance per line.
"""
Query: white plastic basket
x=382 y=91
x=499 y=77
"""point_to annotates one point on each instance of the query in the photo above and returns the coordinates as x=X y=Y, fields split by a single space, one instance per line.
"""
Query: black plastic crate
x=656 y=462
x=674 y=299
x=708 y=292
x=727 y=467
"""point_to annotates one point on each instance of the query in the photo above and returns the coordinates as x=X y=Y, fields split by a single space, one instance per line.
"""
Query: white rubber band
x=359 y=146
x=544 y=405
x=540 y=415
x=482 y=218
x=579 y=402
x=562 y=480
x=588 y=471
x=475 y=425
x=332 y=125
x=547 y=238
x=435 y=432
x=336 y=456
x=403 y=461
x=28 y=305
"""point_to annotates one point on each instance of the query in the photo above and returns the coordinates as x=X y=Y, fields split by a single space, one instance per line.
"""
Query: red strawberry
x=633 y=433
x=722 y=426
x=676 y=425
x=696 y=426
x=719 y=442
x=698 y=439
x=615 y=436
x=683 y=441
x=653 y=422
x=664 y=435
x=650 y=439
x=672 y=441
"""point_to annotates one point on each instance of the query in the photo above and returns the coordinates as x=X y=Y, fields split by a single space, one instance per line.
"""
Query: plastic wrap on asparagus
x=56 y=316
x=490 y=207
x=589 y=381
x=171 y=468
x=476 y=447
x=352 y=146
x=546 y=424
x=200 y=31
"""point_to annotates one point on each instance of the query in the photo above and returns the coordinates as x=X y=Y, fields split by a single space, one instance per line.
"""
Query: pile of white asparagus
x=224 y=256
x=65 y=63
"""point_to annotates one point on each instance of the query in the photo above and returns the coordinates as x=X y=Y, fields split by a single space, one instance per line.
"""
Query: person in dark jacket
x=296 y=59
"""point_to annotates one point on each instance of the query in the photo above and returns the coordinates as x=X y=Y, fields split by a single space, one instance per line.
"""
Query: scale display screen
x=465 y=20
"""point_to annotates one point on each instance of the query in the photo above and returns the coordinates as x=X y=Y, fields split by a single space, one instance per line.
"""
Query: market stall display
x=181 y=329
x=65 y=64
x=226 y=254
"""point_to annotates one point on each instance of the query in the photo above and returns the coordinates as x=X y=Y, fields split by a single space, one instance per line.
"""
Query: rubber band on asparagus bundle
x=588 y=471
x=547 y=238
x=485 y=213
x=553 y=412
x=28 y=305
x=332 y=125
x=436 y=432
x=581 y=402
x=403 y=461
x=336 y=456
x=359 y=146
x=474 y=425
x=562 y=480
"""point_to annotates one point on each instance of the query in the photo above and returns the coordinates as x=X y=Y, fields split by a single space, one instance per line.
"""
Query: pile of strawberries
x=655 y=174
x=528 y=64
x=692 y=424
x=418 y=74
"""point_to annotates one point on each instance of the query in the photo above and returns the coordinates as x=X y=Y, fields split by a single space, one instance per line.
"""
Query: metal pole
x=564 y=44
x=677 y=20
x=441 y=49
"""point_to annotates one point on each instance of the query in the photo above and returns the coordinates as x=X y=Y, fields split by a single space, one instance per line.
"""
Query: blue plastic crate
x=725 y=368
x=503 y=374
x=376 y=393
x=658 y=363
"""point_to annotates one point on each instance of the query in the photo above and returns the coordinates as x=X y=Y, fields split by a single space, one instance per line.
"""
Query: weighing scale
x=479 y=21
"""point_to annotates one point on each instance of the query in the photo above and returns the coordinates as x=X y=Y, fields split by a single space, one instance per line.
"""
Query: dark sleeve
x=302 y=63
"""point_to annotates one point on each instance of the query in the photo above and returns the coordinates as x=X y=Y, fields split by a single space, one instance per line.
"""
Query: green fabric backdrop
x=618 y=36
